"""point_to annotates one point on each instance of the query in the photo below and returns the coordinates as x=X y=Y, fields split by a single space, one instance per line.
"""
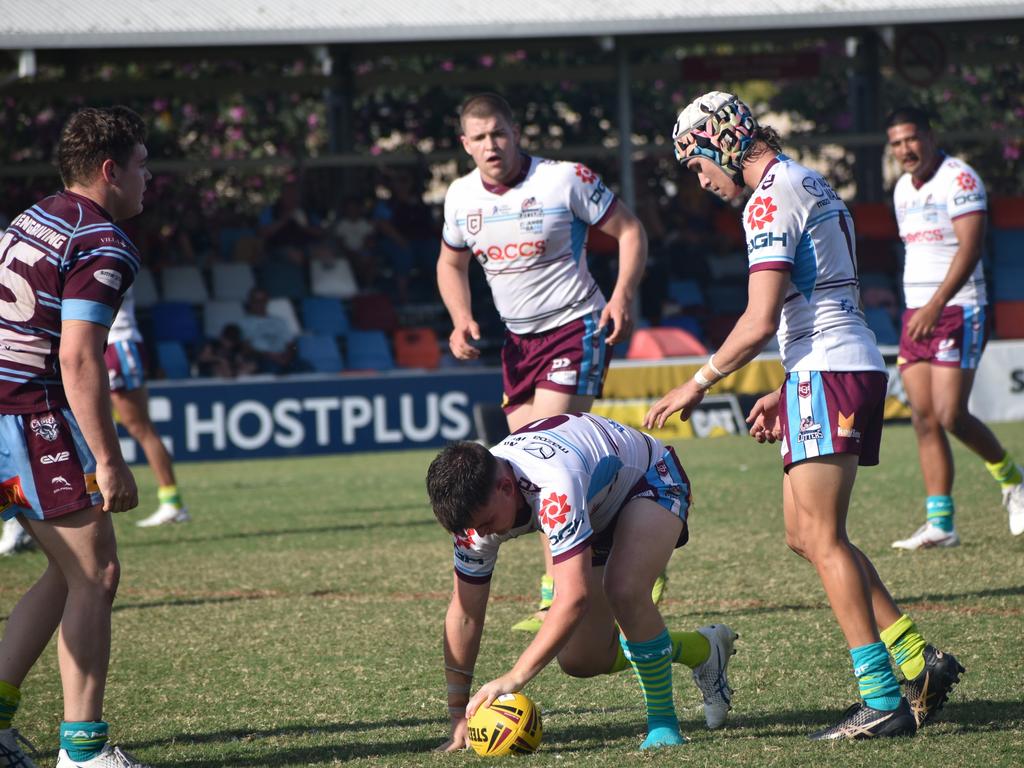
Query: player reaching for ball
x=613 y=504
x=828 y=414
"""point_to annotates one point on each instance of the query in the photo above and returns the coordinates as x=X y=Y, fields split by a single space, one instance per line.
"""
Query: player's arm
x=626 y=228
x=766 y=295
x=969 y=230
x=565 y=613
x=463 y=628
x=87 y=387
x=453 y=284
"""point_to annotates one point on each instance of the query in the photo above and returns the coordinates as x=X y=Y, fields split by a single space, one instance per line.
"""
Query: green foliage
x=297 y=621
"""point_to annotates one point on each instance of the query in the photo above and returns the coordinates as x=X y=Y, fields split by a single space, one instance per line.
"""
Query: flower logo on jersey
x=586 y=175
x=966 y=182
x=465 y=539
x=474 y=222
x=554 y=510
x=45 y=426
x=760 y=212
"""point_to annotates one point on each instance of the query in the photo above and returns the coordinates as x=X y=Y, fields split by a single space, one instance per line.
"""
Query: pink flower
x=487 y=60
x=1011 y=151
x=237 y=114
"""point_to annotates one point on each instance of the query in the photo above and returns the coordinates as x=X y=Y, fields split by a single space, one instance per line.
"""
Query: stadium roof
x=47 y=24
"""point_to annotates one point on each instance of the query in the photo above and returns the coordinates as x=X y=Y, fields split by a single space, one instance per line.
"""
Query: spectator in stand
x=408 y=233
x=355 y=236
x=227 y=356
x=269 y=337
x=286 y=228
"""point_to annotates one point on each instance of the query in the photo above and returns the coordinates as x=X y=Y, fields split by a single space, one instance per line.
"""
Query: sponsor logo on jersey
x=565 y=378
x=560 y=362
x=926 y=236
x=465 y=539
x=586 y=175
x=966 y=182
x=568 y=531
x=766 y=240
x=109 y=277
x=768 y=181
x=60 y=484
x=512 y=251
x=55 y=458
x=947 y=351
x=540 y=450
x=45 y=426
x=474 y=222
x=809 y=430
x=531 y=216
x=554 y=510
x=803 y=389
x=845 y=428
x=971 y=197
x=760 y=212
x=527 y=487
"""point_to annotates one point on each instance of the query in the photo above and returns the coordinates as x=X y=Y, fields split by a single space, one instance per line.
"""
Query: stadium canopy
x=54 y=24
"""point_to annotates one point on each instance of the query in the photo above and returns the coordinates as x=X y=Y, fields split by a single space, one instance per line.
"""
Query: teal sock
x=83 y=741
x=652 y=662
x=940 y=512
x=877 y=683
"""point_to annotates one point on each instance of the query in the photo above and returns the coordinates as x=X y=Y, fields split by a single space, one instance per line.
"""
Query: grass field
x=297 y=621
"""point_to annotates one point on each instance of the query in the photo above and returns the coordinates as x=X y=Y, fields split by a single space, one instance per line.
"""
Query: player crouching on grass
x=828 y=414
x=613 y=503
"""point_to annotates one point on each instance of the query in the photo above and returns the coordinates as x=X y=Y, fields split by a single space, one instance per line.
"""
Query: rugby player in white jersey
x=613 y=504
x=126 y=367
x=525 y=220
x=67 y=265
x=803 y=286
x=940 y=208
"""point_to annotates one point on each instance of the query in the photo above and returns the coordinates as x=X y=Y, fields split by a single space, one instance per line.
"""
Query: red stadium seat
x=1008 y=213
x=874 y=221
x=417 y=348
x=1009 y=319
x=658 y=343
x=373 y=312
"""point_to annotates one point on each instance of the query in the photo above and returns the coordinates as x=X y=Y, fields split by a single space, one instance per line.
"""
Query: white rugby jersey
x=575 y=471
x=925 y=216
x=124 y=327
x=794 y=222
x=530 y=238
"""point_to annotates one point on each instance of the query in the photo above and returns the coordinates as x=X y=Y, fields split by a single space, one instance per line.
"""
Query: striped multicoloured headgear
x=718 y=126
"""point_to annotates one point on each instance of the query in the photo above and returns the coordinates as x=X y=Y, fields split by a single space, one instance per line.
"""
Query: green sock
x=168 y=494
x=689 y=648
x=1005 y=472
x=83 y=741
x=906 y=646
x=940 y=512
x=652 y=662
x=10 y=696
x=547 y=591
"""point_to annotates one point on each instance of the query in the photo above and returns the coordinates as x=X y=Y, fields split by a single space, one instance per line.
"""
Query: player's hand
x=922 y=323
x=459 y=738
x=617 y=312
x=117 y=485
x=683 y=398
x=492 y=690
x=764 y=419
x=459 y=341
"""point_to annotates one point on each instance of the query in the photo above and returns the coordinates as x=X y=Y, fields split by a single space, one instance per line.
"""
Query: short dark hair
x=92 y=136
x=460 y=480
x=769 y=138
x=485 y=105
x=913 y=115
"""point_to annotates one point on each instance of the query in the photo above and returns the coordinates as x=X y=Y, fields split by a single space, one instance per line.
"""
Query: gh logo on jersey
x=761 y=212
x=474 y=222
x=554 y=510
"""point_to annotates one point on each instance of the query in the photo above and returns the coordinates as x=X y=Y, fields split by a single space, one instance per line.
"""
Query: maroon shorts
x=572 y=358
x=958 y=340
x=126 y=365
x=827 y=412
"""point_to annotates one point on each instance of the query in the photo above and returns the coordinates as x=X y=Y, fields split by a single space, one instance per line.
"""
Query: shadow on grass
x=274 y=532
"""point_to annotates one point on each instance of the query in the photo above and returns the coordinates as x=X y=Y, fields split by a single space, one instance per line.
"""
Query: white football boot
x=109 y=757
x=928 y=536
x=710 y=676
x=165 y=515
x=1013 y=500
x=11 y=755
x=14 y=538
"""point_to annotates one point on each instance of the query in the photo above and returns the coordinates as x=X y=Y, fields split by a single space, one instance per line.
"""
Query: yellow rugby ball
x=509 y=726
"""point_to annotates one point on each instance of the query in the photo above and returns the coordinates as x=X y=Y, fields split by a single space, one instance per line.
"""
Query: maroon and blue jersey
x=62 y=259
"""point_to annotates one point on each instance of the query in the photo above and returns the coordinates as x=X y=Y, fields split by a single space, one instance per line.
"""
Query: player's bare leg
x=544 y=403
x=934 y=452
x=951 y=389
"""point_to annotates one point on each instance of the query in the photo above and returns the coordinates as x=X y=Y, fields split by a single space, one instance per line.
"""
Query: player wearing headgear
x=613 y=503
x=940 y=208
x=525 y=220
x=803 y=287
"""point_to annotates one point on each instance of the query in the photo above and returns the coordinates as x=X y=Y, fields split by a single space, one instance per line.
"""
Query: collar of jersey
x=524 y=169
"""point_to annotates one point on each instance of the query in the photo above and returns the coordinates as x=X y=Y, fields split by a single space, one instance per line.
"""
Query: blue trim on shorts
x=131 y=364
x=970 y=355
x=796 y=448
x=819 y=407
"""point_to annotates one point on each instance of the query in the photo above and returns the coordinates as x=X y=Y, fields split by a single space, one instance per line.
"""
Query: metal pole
x=627 y=183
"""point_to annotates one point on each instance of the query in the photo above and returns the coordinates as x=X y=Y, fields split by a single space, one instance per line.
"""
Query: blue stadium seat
x=324 y=316
x=176 y=321
x=184 y=283
x=172 y=360
x=881 y=322
x=217 y=314
x=282 y=278
x=688 y=323
x=686 y=293
x=321 y=352
x=369 y=350
x=1008 y=247
x=1007 y=281
x=727 y=298
x=232 y=282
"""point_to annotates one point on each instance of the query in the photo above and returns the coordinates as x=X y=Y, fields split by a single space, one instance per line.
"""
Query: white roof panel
x=146 y=23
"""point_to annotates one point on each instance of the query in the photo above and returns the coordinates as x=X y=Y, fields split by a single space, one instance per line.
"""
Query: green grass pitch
x=297 y=621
